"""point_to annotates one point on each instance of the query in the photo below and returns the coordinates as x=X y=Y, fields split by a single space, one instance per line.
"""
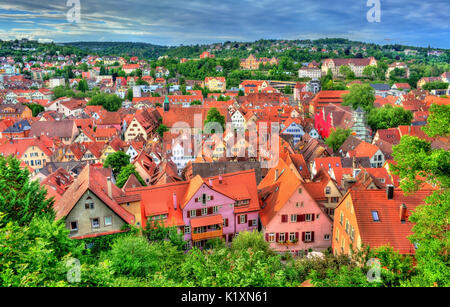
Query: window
x=108 y=220
x=187 y=229
x=193 y=213
x=326 y=237
x=347 y=225
x=292 y=237
x=271 y=237
x=308 y=217
x=327 y=190
x=74 y=226
x=242 y=219
x=282 y=237
x=89 y=204
x=341 y=220
x=293 y=218
x=337 y=235
x=375 y=216
x=215 y=209
x=95 y=223
x=308 y=237
x=204 y=211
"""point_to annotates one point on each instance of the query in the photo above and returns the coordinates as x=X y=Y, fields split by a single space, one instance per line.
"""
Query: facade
x=309 y=72
x=360 y=127
x=356 y=65
x=216 y=84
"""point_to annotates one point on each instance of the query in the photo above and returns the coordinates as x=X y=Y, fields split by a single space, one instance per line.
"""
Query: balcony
x=207 y=235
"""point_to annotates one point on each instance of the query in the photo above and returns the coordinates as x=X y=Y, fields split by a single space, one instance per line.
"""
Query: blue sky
x=174 y=22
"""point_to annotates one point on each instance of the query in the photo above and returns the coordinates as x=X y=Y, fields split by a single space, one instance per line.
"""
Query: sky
x=175 y=22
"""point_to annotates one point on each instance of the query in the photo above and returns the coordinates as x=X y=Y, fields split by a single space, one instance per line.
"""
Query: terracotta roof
x=389 y=229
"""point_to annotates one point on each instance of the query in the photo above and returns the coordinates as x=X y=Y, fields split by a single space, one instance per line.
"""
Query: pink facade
x=309 y=229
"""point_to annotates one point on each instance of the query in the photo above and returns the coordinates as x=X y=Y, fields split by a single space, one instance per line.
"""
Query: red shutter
x=196 y=200
x=189 y=214
x=210 y=210
x=226 y=222
x=277 y=237
x=284 y=218
x=302 y=217
x=313 y=217
x=250 y=222
x=199 y=212
x=296 y=236
x=267 y=237
x=286 y=237
x=211 y=197
x=312 y=236
x=303 y=236
x=245 y=218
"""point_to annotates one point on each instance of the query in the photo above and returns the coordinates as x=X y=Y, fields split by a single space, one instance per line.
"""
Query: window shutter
x=312 y=236
x=277 y=237
x=296 y=236
x=267 y=237
x=211 y=197
x=286 y=237
x=196 y=200
x=245 y=218
x=250 y=223
x=226 y=222
x=189 y=214
x=303 y=236
x=302 y=217
x=199 y=212
x=210 y=210
x=313 y=217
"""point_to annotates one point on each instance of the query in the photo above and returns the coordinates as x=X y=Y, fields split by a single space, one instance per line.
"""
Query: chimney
x=276 y=175
x=220 y=179
x=108 y=179
x=175 y=201
x=403 y=213
x=354 y=162
x=210 y=182
x=390 y=191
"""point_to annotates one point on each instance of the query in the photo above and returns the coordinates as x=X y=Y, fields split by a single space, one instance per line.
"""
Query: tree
x=370 y=72
x=110 y=102
x=362 y=95
x=417 y=163
x=253 y=240
x=83 y=86
x=347 y=72
x=337 y=138
x=117 y=161
x=20 y=198
x=161 y=129
x=389 y=117
x=214 y=117
x=130 y=94
x=36 y=108
x=435 y=85
x=125 y=173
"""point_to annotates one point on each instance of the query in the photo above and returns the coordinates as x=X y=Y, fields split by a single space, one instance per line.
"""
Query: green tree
x=436 y=85
x=130 y=94
x=417 y=163
x=20 y=198
x=117 y=161
x=347 y=72
x=125 y=173
x=161 y=129
x=36 y=108
x=337 y=138
x=389 y=117
x=110 y=102
x=83 y=86
x=214 y=117
x=362 y=95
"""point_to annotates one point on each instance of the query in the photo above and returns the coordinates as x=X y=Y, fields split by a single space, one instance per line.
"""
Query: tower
x=360 y=125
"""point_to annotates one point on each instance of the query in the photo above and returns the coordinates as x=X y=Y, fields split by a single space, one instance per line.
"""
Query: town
x=321 y=157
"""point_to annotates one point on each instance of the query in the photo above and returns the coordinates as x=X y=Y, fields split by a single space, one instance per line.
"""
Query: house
x=216 y=84
x=293 y=127
x=309 y=72
x=397 y=65
x=356 y=65
x=375 y=218
x=252 y=63
x=90 y=207
x=365 y=149
x=291 y=220
x=143 y=124
x=64 y=130
x=381 y=89
x=15 y=111
x=203 y=208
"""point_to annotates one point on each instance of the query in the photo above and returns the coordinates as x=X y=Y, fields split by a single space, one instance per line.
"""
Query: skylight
x=375 y=216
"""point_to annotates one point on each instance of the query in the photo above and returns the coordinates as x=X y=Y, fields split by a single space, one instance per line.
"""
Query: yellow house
x=108 y=150
x=216 y=83
x=134 y=129
x=36 y=157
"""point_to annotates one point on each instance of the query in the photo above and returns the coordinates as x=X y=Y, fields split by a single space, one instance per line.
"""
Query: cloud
x=205 y=21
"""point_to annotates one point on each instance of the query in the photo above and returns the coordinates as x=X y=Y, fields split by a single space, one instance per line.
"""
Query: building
x=291 y=220
x=309 y=72
x=356 y=65
x=216 y=84
x=375 y=218
x=360 y=127
x=203 y=208
x=252 y=63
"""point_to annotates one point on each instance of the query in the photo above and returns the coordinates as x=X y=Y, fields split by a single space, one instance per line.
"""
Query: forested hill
x=142 y=50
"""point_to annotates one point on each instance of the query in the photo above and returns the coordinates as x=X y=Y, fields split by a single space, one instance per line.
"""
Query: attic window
x=375 y=216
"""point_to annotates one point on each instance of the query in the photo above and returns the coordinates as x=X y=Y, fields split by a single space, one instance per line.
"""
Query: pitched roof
x=389 y=229
x=93 y=180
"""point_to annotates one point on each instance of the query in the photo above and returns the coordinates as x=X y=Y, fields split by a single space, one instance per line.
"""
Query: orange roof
x=389 y=229
x=206 y=221
x=364 y=149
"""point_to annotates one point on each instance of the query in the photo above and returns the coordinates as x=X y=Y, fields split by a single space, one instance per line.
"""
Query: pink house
x=203 y=209
x=291 y=219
